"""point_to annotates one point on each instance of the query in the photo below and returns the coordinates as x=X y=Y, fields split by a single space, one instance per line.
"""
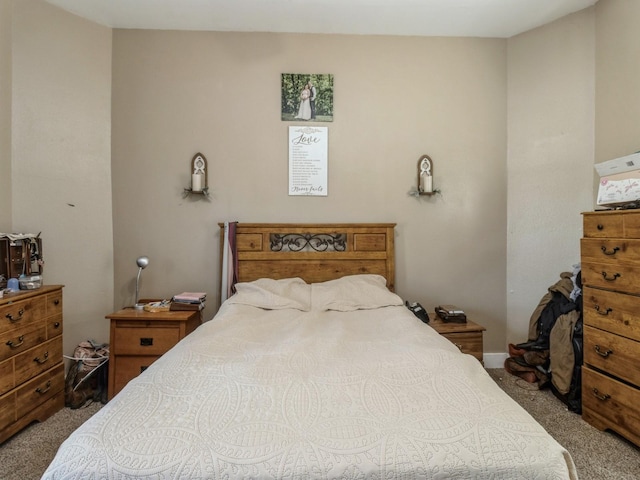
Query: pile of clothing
x=552 y=355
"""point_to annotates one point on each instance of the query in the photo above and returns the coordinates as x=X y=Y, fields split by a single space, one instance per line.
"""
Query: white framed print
x=308 y=162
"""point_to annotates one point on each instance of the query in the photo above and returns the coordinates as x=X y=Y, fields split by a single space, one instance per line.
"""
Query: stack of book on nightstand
x=188 y=301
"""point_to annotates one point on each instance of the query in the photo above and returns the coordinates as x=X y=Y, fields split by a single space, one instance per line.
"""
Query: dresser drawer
x=612 y=354
x=31 y=361
x=612 y=276
x=37 y=360
x=21 y=313
x=618 y=224
x=54 y=326
x=602 y=225
x=21 y=339
x=611 y=311
x=144 y=341
x=605 y=250
x=54 y=303
x=7 y=409
x=6 y=376
x=39 y=390
x=608 y=403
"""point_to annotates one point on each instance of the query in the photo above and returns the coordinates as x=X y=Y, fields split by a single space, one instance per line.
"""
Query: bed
x=313 y=369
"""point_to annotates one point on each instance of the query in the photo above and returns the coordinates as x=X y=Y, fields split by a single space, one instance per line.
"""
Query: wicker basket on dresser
x=610 y=252
x=31 y=366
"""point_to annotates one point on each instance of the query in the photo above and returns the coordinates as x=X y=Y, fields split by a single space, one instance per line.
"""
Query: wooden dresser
x=31 y=366
x=610 y=252
x=466 y=336
x=139 y=338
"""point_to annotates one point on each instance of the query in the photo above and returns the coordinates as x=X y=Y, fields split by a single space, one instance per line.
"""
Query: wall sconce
x=425 y=178
x=199 y=182
x=142 y=263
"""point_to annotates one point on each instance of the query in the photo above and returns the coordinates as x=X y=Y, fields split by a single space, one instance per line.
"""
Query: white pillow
x=353 y=292
x=274 y=294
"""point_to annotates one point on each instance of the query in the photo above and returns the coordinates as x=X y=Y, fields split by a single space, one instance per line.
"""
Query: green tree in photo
x=292 y=86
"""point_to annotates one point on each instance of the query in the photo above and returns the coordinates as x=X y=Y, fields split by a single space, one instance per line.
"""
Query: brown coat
x=562 y=359
x=563 y=286
x=561 y=354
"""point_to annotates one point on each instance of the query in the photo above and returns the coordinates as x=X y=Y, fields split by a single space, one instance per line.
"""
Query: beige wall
x=61 y=181
x=550 y=162
x=396 y=98
x=5 y=115
x=176 y=93
x=617 y=79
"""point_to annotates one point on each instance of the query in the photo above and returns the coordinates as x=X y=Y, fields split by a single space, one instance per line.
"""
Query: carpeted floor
x=597 y=455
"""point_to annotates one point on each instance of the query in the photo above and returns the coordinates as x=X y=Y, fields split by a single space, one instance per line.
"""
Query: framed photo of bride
x=307 y=97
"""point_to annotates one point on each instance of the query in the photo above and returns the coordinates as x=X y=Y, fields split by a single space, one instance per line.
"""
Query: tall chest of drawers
x=610 y=252
x=31 y=365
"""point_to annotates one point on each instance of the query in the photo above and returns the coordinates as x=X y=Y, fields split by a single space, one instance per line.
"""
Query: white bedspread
x=312 y=395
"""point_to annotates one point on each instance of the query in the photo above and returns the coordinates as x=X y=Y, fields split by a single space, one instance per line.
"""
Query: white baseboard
x=494 y=360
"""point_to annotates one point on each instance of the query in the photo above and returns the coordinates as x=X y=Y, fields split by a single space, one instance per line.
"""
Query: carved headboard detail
x=314 y=252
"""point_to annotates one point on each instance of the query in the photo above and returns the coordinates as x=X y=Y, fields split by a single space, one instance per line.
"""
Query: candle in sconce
x=426 y=183
x=196 y=182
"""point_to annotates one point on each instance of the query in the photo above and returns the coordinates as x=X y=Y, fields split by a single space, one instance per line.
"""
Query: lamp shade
x=142 y=263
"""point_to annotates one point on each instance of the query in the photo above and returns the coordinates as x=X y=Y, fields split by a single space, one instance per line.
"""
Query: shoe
x=526 y=373
x=515 y=351
x=533 y=345
x=536 y=358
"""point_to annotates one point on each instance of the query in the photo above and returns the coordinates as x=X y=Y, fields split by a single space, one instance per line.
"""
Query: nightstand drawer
x=466 y=336
x=128 y=368
x=139 y=338
x=144 y=341
x=470 y=343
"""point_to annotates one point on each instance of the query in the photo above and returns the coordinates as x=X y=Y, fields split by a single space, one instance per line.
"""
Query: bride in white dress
x=304 y=112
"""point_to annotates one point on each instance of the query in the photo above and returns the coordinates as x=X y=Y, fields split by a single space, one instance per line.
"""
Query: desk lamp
x=142 y=264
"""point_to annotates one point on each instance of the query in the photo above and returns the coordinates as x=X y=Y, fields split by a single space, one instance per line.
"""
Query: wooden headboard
x=314 y=252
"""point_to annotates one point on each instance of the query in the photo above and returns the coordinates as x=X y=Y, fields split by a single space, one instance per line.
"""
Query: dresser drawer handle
x=600 y=226
x=44 y=360
x=604 y=313
x=20 y=313
x=16 y=345
x=56 y=325
x=604 y=397
x=610 y=252
x=44 y=390
x=56 y=302
x=146 y=342
x=603 y=354
x=610 y=279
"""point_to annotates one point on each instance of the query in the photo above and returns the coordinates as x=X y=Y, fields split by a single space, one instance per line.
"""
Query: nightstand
x=466 y=336
x=138 y=338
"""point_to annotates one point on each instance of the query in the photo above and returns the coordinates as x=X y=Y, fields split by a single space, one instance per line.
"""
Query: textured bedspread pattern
x=312 y=395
